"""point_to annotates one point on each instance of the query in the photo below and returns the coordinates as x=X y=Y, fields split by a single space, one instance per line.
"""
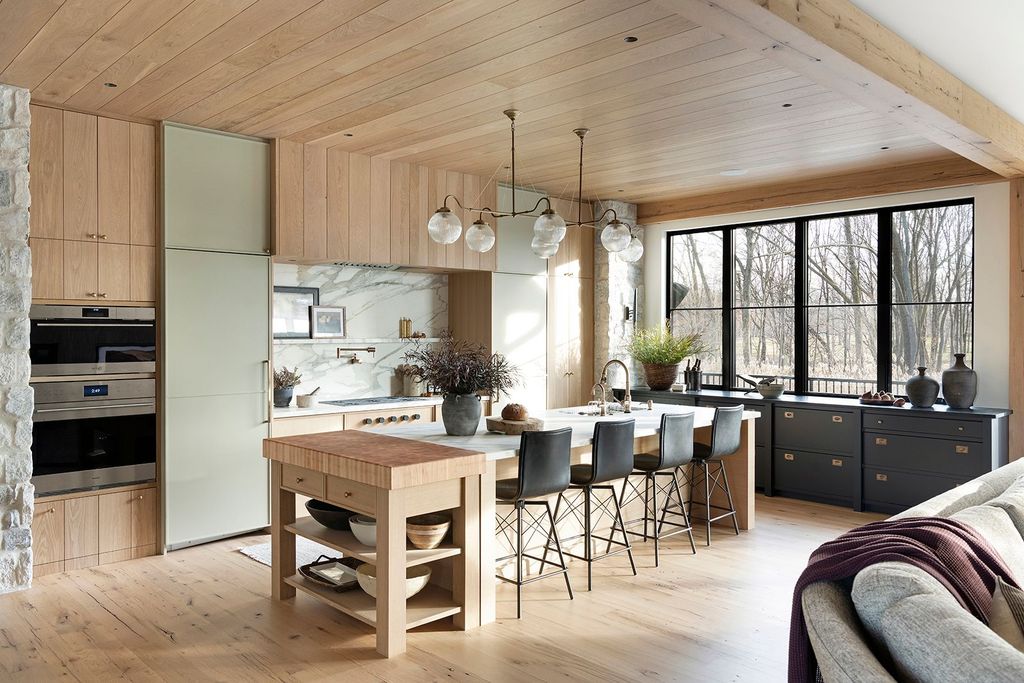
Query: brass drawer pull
x=881 y=477
x=837 y=462
x=962 y=450
x=881 y=441
x=299 y=480
x=837 y=418
x=788 y=415
x=348 y=494
x=789 y=456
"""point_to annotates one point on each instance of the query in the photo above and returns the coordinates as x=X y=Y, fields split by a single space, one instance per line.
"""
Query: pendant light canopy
x=549 y=229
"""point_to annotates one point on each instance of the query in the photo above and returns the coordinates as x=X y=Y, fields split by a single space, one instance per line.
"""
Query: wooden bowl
x=331 y=516
x=427 y=531
x=416 y=579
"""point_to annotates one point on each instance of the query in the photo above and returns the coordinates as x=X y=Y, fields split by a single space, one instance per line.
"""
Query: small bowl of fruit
x=881 y=398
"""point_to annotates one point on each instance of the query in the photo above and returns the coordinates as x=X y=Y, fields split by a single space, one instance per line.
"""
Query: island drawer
x=946 y=456
x=815 y=474
x=352 y=495
x=902 y=489
x=827 y=431
x=304 y=481
x=938 y=426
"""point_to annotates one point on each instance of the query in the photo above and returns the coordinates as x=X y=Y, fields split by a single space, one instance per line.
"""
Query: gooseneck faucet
x=599 y=391
x=627 y=401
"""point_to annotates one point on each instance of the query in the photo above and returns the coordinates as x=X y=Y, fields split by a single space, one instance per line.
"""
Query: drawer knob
x=393 y=418
x=404 y=418
x=959 y=429
x=881 y=477
x=298 y=480
x=878 y=422
x=881 y=441
x=788 y=415
x=837 y=462
x=837 y=418
x=49 y=510
x=962 y=450
x=348 y=494
x=789 y=456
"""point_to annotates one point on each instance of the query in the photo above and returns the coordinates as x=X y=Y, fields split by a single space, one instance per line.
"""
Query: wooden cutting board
x=514 y=427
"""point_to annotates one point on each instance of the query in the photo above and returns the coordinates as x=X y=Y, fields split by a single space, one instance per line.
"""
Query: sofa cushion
x=928 y=635
x=995 y=525
x=1006 y=617
x=1012 y=501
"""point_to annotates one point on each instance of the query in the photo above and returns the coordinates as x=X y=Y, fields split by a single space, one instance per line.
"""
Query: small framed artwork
x=291 y=311
x=327 y=321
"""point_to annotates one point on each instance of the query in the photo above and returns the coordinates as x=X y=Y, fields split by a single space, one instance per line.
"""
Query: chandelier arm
x=451 y=196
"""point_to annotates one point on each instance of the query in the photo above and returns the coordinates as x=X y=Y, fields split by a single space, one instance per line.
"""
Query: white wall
x=991 y=269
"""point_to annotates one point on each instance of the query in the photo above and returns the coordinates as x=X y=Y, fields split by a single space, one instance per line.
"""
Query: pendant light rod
x=512 y=114
x=580 y=133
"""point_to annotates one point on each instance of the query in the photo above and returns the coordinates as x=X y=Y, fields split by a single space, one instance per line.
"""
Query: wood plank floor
x=205 y=614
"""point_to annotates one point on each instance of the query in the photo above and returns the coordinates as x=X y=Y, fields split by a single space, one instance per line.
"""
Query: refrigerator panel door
x=520 y=333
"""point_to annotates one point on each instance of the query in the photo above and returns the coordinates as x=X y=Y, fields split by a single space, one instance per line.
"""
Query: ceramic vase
x=461 y=413
x=959 y=384
x=283 y=397
x=922 y=390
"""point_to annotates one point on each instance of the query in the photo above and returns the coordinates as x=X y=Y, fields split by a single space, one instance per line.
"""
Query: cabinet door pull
x=102 y=295
x=102 y=237
x=881 y=477
x=298 y=480
x=788 y=415
x=881 y=441
x=837 y=418
x=789 y=456
x=837 y=462
x=347 y=494
x=962 y=450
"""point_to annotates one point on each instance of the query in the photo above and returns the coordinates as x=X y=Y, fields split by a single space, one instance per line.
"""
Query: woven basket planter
x=661 y=377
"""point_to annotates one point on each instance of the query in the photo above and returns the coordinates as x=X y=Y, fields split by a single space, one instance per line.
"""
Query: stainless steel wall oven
x=86 y=340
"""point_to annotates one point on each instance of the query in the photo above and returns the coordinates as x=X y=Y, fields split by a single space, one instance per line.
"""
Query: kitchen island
x=409 y=467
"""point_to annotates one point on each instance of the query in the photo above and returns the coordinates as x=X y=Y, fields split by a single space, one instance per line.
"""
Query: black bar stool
x=611 y=459
x=543 y=471
x=726 y=430
x=675 y=450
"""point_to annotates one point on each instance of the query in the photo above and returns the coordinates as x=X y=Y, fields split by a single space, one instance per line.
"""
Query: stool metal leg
x=587 y=537
x=686 y=517
x=728 y=495
x=622 y=526
x=519 y=560
x=707 y=499
x=558 y=547
x=652 y=484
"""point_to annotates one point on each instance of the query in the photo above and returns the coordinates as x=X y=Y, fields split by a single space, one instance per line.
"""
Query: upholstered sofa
x=896 y=622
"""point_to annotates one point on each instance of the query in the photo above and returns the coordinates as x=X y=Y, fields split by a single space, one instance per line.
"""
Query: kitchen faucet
x=602 y=404
x=627 y=401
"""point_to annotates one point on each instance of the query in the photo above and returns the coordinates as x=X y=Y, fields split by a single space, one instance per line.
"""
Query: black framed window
x=835 y=304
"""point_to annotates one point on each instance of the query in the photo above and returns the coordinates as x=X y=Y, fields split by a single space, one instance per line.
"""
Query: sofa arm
x=838 y=638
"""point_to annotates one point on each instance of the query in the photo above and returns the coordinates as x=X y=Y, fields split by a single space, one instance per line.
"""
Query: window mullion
x=800 y=331
x=728 y=291
x=884 y=317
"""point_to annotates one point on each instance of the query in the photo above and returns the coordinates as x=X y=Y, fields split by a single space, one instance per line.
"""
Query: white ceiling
x=977 y=41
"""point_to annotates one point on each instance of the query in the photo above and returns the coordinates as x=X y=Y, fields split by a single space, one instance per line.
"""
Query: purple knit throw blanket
x=954 y=553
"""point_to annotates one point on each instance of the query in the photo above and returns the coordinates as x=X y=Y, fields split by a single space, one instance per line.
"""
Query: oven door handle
x=96 y=407
x=110 y=324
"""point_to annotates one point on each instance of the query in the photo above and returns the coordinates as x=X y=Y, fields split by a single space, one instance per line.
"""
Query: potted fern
x=661 y=353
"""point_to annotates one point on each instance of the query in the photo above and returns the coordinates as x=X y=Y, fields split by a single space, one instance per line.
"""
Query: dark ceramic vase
x=922 y=390
x=461 y=413
x=959 y=384
x=283 y=397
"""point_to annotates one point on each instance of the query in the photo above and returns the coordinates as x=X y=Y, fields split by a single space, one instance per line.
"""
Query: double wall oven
x=94 y=423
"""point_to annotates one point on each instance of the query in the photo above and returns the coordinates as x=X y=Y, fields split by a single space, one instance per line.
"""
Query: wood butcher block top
x=375 y=459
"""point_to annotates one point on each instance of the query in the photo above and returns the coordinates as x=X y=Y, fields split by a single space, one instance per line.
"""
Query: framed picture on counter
x=327 y=321
x=291 y=311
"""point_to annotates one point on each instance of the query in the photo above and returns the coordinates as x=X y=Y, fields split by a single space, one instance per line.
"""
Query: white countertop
x=325 y=409
x=501 y=446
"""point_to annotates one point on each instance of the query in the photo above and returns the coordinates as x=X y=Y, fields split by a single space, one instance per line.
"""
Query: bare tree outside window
x=696 y=292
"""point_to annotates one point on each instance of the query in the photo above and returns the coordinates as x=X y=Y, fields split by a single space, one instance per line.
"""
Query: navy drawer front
x=938 y=426
x=829 y=476
x=762 y=425
x=903 y=489
x=825 y=431
x=962 y=458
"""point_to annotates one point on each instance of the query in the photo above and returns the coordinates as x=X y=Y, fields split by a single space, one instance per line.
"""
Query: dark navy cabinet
x=838 y=451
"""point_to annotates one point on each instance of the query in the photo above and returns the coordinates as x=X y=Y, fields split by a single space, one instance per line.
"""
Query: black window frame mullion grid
x=800 y=335
x=884 y=299
x=728 y=298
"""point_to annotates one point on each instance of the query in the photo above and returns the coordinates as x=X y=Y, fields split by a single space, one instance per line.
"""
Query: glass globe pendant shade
x=480 y=236
x=543 y=249
x=549 y=227
x=615 y=237
x=634 y=252
x=444 y=226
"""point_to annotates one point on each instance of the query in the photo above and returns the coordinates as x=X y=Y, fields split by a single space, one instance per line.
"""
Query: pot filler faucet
x=627 y=401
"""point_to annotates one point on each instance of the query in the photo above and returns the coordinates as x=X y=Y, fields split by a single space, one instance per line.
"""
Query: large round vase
x=660 y=377
x=959 y=384
x=283 y=397
x=922 y=390
x=461 y=413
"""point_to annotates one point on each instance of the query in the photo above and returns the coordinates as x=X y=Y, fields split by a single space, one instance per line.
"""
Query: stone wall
x=16 y=491
x=617 y=284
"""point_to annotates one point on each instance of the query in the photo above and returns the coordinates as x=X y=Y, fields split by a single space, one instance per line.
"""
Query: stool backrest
x=544 y=462
x=726 y=429
x=612 y=454
x=675 y=441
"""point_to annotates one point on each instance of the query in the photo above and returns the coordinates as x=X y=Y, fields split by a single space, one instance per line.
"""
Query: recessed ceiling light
x=630 y=39
x=787 y=105
x=110 y=85
x=620 y=190
x=348 y=135
x=732 y=172
x=884 y=148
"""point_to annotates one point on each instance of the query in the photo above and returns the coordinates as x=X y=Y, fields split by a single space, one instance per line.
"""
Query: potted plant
x=661 y=352
x=285 y=381
x=460 y=370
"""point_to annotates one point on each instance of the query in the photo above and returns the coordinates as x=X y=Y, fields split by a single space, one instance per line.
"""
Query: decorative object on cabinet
x=331 y=516
x=444 y=227
x=306 y=400
x=922 y=390
x=427 y=531
x=285 y=381
x=412 y=383
x=291 y=311
x=364 y=529
x=514 y=411
x=770 y=388
x=959 y=384
x=334 y=573
x=461 y=370
x=661 y=352
x=327 y=322
x=416 y=579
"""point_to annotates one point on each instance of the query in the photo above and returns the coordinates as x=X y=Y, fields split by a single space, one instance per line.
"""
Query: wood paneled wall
x=331 y=205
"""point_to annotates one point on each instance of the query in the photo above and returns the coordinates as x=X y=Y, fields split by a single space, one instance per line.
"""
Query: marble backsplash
x=374 y=301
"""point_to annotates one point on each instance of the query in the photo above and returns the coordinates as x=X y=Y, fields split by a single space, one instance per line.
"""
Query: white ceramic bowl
x=415 y=579
x=365 y=529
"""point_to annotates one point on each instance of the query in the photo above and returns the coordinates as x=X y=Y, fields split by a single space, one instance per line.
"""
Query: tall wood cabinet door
x=359 y=226
x=400 y=213
x=81 y=527
x=314 y=202
x=80 y=189
x=113 y=181
x=380 y=210
x=80 y=263
x=144 y=504
x=113 y=272
x=47 y=268
x=46 y=173
x=48 y=532
x=115 y=515
x=584 y=342
x=142 y=179
x=289 y=163
x=337 y=204
x=558 y=341
x=143 y=273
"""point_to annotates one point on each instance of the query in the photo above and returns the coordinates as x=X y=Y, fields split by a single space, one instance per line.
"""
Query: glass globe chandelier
x=444 y=227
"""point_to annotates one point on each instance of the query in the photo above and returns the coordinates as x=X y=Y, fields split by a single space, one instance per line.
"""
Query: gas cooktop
x=373 y=400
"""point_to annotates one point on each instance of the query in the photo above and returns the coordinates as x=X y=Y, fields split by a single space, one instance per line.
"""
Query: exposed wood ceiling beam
x=839 y=46
x=950 y=172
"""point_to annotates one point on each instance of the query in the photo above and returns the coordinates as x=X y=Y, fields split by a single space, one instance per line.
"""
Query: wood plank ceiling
x=425 y=81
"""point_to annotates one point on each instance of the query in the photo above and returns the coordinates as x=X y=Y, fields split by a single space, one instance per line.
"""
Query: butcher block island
x=389 y=479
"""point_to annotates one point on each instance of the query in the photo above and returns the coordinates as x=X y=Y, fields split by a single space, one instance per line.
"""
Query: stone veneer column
x=615 y=282
x=16 y=491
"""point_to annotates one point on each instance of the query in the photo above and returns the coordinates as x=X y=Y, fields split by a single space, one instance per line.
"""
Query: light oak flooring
x=205 y=614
